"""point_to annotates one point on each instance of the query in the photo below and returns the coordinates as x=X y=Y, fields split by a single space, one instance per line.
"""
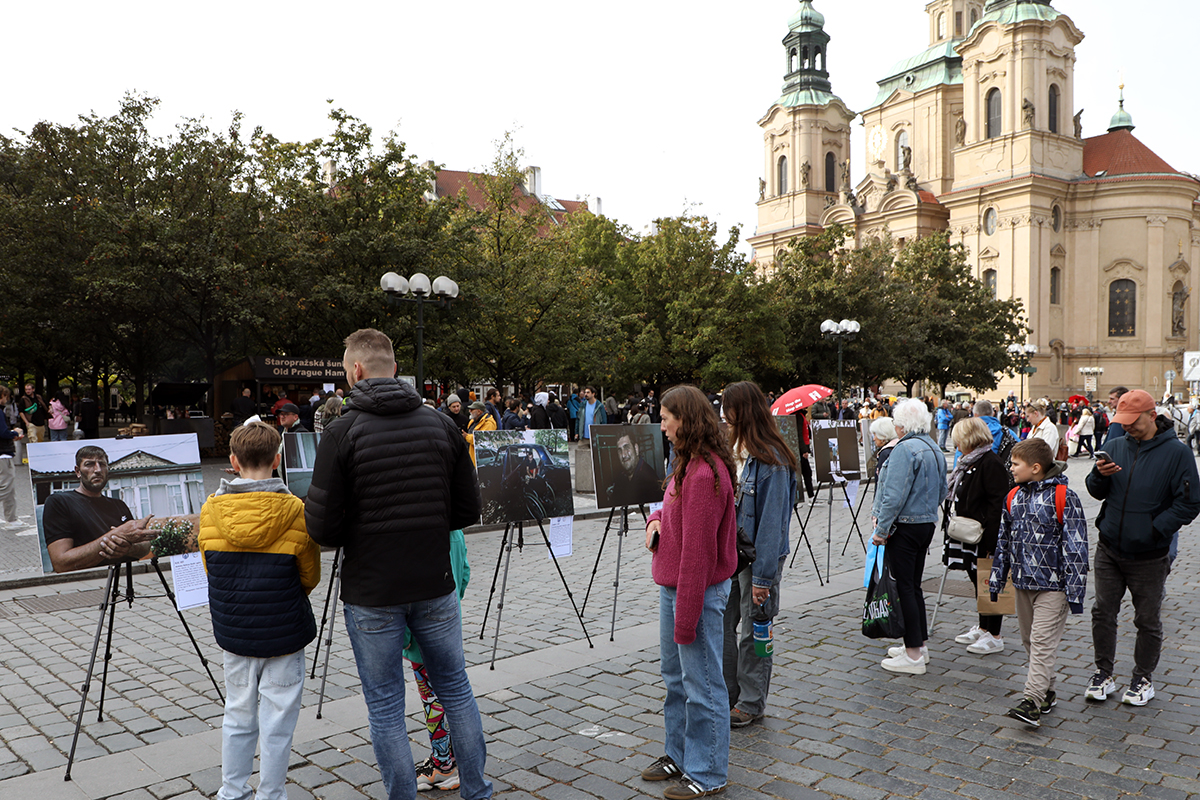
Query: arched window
x=1052 y=108
x=941 y=26
x=792 y=61
x=1056 y=219
x=901 y=143
x=804 y=58
x=958 y=31
x=830 y=172
x=1122 y=308
x=989 y=280
x=781 y=176
x=995 y=115
x=1055 y=286
x=974 y=16
x=819 y=60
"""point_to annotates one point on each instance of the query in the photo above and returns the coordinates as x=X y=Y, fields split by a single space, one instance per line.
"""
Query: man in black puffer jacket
x=391 y=480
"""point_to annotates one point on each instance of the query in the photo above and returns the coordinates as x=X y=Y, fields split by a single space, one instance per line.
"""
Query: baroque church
x=979 y=135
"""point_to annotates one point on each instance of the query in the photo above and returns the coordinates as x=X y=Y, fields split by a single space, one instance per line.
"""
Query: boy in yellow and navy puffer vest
x=261 y=567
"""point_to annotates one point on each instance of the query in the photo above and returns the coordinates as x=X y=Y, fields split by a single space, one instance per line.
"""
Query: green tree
x=692 y=309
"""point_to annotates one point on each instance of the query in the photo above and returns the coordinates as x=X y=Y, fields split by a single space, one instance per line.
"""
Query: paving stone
x=169 y=789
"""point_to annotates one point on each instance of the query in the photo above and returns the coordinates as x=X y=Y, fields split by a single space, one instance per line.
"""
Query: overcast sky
x=650 y=105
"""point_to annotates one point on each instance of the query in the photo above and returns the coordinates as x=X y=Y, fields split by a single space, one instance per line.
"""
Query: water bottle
x=764 y=644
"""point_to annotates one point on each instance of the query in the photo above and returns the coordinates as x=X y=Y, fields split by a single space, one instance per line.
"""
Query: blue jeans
x=696 y=711
x=58 y=436
x=262 y=703
x=943 y=433
x=377 y=636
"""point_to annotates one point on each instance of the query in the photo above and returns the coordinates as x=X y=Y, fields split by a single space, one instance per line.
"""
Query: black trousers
x=906 y=549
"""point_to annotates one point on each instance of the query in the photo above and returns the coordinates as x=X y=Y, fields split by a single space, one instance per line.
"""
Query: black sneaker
x=686 y=789
x=663 y=769
x=1049 y=702
x=1028 y=713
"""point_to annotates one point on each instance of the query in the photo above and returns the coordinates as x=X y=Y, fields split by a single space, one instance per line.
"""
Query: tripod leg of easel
x=112 y=617
x=811 y=554
x=506 y=547
x=333 y=572
x=563 y=578
x=812 y=502
x=87 y=681
x=336 y=586
x=504 y=542
x=853 y=523
x=624 y=529
x=187 y=628
x=599 y=553
x=938 y=603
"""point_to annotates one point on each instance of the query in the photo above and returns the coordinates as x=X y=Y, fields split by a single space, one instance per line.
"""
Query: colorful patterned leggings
x=435 y=720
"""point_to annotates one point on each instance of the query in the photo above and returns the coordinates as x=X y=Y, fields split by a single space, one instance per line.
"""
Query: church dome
x=1122 y=120
x=807 y=18
x=1007 y=12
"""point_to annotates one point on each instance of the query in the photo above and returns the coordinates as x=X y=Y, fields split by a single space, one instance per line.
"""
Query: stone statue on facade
x=905 y=158
x=1030 y=112
x=1079 y=124
x=1178 y=301
x=960 y=131
x=805 y=173
x=846 y=175
x=762 y=189
x=892 y=183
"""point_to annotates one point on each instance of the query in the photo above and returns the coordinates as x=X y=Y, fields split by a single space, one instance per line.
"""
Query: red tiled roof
x=1121 y=153
x=451 y=183
x=928 y=197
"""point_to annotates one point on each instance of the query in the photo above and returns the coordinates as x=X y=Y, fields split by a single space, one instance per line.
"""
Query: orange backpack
x=1060 y=500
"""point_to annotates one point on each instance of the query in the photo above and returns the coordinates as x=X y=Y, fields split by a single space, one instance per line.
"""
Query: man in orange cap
x=1150 y=488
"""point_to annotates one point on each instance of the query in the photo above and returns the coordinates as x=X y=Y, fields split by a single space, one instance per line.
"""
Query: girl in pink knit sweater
x=694 y=541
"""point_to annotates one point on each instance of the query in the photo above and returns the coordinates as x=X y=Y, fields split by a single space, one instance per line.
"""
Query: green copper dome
x=1122 y=120
x=807 y=18
x=1007 y=12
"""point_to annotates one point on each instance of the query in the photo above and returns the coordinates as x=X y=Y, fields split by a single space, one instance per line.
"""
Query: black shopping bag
x=882 y=618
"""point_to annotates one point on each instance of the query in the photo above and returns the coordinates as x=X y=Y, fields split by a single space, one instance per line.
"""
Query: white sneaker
x=902 y=663
x=971 y=636
x=1100 y=687
x=986 y=645
x=899 y=650
x=1139 y=693
x=16 y=525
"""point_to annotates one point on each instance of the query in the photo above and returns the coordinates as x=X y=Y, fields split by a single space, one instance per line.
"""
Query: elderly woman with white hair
x=912 y=486
x=884 y=434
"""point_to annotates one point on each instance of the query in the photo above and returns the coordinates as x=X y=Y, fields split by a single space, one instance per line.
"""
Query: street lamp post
x=841 y=332
x=1022 y=353
x=397 y=289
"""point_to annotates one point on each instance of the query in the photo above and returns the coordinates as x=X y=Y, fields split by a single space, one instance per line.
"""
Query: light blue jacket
x=912 y=484
x=766 y=495
x=944 y=417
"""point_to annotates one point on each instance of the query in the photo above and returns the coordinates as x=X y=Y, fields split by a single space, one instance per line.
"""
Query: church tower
x=806 y=141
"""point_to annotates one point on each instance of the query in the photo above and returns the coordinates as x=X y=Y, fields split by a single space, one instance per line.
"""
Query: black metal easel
x=331 y=595
x=505 y=555
x=108 y=605
x=622 y=530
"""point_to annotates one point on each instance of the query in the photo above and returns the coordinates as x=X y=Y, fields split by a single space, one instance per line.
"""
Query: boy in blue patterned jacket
x=1043 y=549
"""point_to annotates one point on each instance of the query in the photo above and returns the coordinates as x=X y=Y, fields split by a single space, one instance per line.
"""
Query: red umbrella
x=799 y=398
x=1077 y=398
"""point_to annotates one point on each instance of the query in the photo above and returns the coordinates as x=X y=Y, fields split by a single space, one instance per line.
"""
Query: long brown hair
x=751 y=426
x=699 y=435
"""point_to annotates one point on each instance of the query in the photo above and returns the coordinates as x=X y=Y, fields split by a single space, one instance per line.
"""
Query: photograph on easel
x=524 y=475
x=790 y=432
x=629 y=465
x=84 y=488
x=299 y=458
x=835 y=448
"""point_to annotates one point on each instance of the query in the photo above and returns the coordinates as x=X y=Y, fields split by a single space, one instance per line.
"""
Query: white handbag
x=965 y=530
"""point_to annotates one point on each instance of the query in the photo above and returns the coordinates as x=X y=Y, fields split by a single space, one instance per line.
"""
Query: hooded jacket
x=1033 y=551
x=261 y=566
x=391 y=480
x=1155 y=493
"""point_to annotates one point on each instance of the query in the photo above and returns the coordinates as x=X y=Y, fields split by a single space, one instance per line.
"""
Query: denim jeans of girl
x=696 y=711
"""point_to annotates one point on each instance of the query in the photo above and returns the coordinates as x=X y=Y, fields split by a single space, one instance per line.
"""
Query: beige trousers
x=1042 y=618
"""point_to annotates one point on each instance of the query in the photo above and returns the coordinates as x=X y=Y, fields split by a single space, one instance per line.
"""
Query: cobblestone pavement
x=566 y=722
